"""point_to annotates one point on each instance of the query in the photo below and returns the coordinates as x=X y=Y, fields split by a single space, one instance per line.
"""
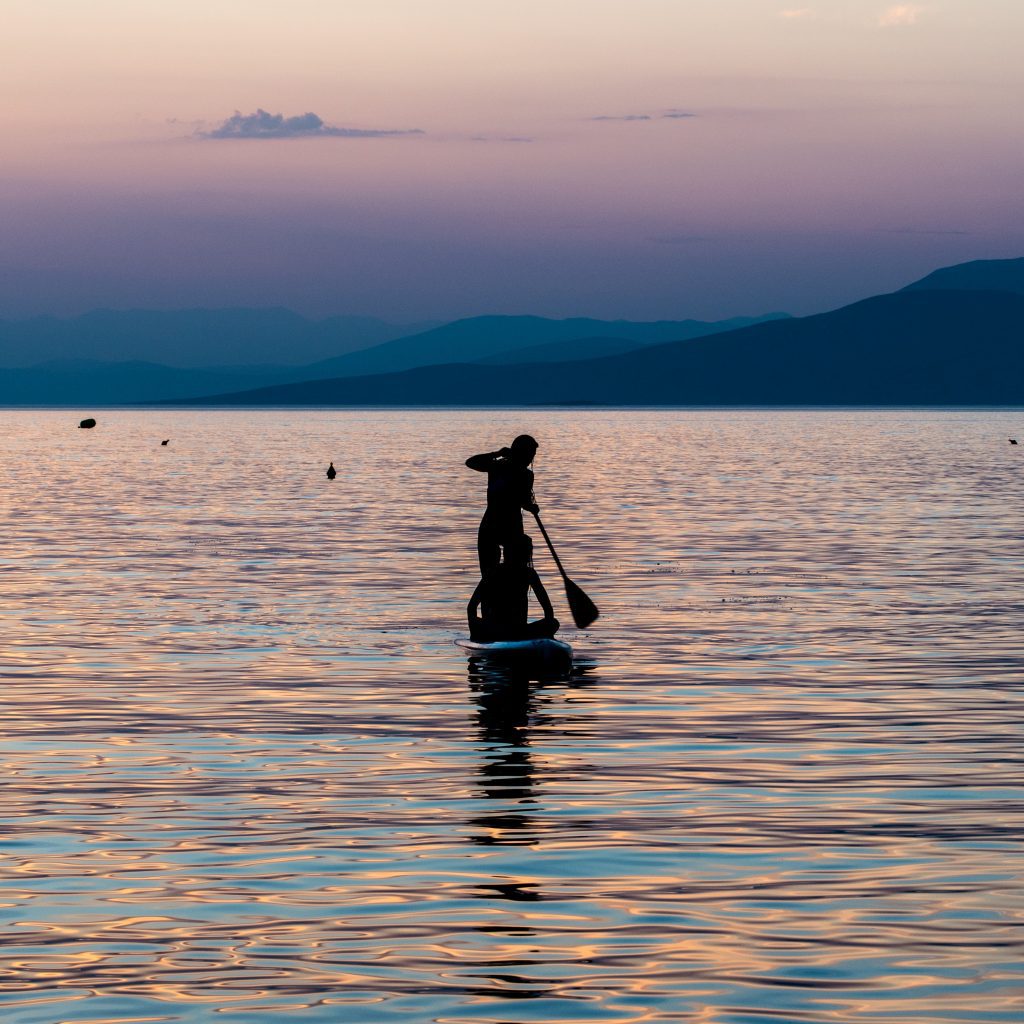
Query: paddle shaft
x=584 y=611
x=551 y=547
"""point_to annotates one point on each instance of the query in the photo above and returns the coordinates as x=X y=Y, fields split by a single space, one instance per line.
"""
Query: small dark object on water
x=166 y=442
x=87 y=424
x=331 y=472
x=1013 y=440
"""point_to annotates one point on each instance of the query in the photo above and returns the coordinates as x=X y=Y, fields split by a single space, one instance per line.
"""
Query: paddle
x=584 y=611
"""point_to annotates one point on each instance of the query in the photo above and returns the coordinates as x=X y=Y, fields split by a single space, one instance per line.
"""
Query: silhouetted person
x=502 y=597
x=168 y=441
x=87 y=424
x=331 y=472
x=509 y=491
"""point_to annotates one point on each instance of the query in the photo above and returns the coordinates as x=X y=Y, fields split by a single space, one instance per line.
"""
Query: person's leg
x=540 y=629
x=509 y=530
x=481 y=632
x=495 y=532
x=488 y=547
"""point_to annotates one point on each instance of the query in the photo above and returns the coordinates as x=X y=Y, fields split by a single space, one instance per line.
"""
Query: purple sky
x=440 y=158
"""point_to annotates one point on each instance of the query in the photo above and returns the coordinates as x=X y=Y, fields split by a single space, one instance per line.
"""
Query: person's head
x=523 y=449
x=519 y=552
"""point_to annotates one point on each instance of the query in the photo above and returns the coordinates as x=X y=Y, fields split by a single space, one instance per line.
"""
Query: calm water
x=248 y=776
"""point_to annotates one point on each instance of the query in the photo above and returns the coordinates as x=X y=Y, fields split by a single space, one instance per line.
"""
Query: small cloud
x=501 y=138
x=901 y=14
x=196 y=126
x=263 y=125
x=798 y=13
x=674 y=114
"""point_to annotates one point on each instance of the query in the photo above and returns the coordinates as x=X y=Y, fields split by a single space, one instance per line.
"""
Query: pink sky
x=836 y=149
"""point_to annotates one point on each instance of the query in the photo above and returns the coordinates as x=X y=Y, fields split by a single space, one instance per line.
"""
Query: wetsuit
x=509 y=491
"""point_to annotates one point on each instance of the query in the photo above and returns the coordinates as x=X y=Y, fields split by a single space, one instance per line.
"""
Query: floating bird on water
x=331 y=472
x=1013 y=440
x=166 y=442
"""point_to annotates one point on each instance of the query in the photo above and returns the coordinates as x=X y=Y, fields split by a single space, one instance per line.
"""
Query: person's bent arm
x=474 y=603
x=542 y=595
x=487 y=461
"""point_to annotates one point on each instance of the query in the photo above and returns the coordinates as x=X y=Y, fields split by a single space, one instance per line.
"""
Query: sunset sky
x=644 y=159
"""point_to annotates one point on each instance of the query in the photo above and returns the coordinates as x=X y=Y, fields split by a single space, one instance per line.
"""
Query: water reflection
x=506 y=696
x=512 y=698
x=247 y=780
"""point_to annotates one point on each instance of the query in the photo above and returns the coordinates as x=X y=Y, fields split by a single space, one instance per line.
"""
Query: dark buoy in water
x=1013 y=440
x=166 y=442
x=87 y=424
x=331 y=472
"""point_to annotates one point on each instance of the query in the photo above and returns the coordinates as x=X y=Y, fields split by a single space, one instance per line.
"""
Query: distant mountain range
x=64 y=381
x=191 y=338
x=956 y=337
x=923 y=345
x=506 y=338
x=93 y=383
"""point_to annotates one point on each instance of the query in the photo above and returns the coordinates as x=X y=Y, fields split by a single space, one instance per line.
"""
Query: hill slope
x=482 y=337
x=979 y=275
x=564 y=351
x=910 y=348
x=89 y=360
x=190 y=337
x=84 y=382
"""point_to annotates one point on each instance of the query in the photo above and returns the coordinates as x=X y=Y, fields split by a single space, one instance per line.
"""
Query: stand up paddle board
x=542 y=648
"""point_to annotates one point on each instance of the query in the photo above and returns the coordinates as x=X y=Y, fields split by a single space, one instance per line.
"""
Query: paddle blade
x=584 y=611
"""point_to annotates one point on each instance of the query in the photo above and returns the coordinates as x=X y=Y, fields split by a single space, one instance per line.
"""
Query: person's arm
x=528 y=501
x=542 y=595
x=474 y=603
x=487 y=461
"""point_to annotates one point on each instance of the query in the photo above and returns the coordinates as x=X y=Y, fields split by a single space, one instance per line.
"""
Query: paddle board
x=544 y=647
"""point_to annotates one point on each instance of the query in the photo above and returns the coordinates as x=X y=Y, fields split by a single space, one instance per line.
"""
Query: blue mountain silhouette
x=915 y=347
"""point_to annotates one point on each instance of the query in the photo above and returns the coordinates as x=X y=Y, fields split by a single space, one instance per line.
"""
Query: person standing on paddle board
x=509 y=491
x=503 y=595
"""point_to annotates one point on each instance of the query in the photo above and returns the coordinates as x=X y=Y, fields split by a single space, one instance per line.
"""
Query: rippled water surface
x=247 y=775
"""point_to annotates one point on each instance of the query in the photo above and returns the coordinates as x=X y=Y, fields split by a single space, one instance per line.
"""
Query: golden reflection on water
x=249 y=777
